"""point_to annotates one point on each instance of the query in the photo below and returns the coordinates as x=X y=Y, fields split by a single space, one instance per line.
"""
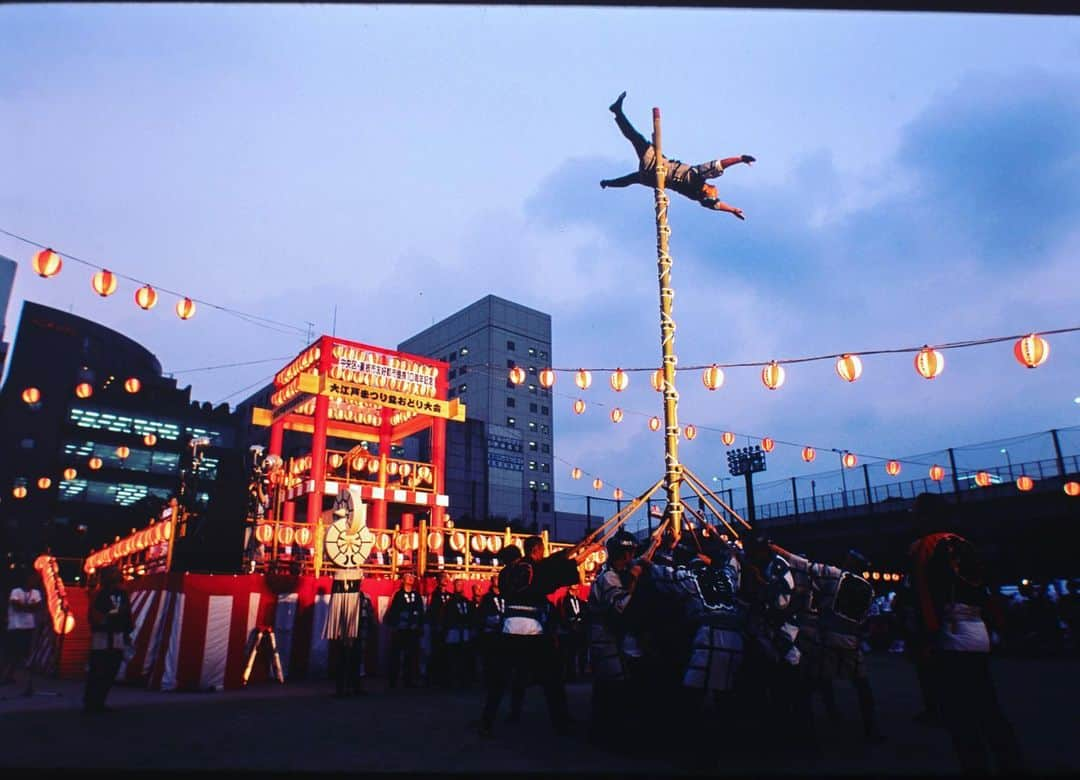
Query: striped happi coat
x=773 y=622
x=610 y=643
x=350 y=615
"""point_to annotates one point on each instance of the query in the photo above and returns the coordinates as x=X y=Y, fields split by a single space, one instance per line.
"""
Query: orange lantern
x=546 y=377
x=285 y=534
x=132 y=384
x=517 y=375
x=728 y=438
x=122 y=452
x=713 y=377
x=849 y=460
x=1025 y=483
x=849 y=367
x=478 y=543
x=937 y=473
x=47 y=263
x=579 y=406
x=808 y=454
x=583 y=379
x=654 y=423
x=982 y=479
x=70 y=473
x=94 y=463
x=617 y=493
x=373 y=466
x=657 y=380
x=575 y=473
x=185 y=308
x=166 y=530
x=31 y=395
x=104 y=283
x=146 y=297
x=597 y=483
x=929 y=363
x=1032 y=351
x=44 y=483
x=392 y=467
x=457 y=541
x=892 y=468
x=84 y=390
x=435 y=541
x=616 y=415
x=767 y=444
x=619 y=380
x=19 y=491
x=404 y=470
x=1072 y=489
x=773 y=375
x=303 y=536
x=358 y=463
x=149 y=440
x=691 y=432
x=494 y=543
x=382 y=541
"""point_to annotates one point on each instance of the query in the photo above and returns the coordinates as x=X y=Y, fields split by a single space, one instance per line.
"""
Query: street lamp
x=1008 y=460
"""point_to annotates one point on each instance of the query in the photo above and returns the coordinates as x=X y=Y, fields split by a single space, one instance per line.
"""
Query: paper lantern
x=457 y=541
x=47 y=263
x=373 y=466
x=404 y=470
x=1032 y=351
x=583 y=379
x=654 y=423
x=1025 y=483
x=849 y=460
x=937 y=473
x=122 y=452
x=597 y=483
x=149 y=440
x=616 y=415
x=657 y=380
x=849 y=367
x=767 y=444
x=44 y=483
x=132 y=384
x=1072 y=489
x=104 y=283
x=146 y=297
x=892 y=468
x=546 y=377
x=185 y=308
x=728 y=438
x=478 y=543
x=84 y=390
x=19 y=491
x=808 y=454
x=517 y=375
x=285 y=534
x=575 y=473
x=691 y=432
x=929 y=363
x=358 y=463
x=494 y=543
x=713 y=377
x=982 y=479
x=617 y=493
x=435 y=541
x=303 y=536
x=773 y=375
x=619 y=380
x=391 y=467
x=31 y=395
x=382 y=541
x=579 y=406
x=70 y=473
x=94 y=463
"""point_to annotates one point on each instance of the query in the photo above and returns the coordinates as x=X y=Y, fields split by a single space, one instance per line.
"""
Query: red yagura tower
x=347 y=390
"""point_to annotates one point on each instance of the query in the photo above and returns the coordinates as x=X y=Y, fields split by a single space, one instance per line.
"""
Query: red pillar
x=318 y=439
x=277 y=435
x=438 y=468
x=380 y=505
x=288 y=512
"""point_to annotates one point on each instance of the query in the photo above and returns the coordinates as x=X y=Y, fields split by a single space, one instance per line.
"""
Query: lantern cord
x=230 y=365
x=250 y=318
x=262 y=381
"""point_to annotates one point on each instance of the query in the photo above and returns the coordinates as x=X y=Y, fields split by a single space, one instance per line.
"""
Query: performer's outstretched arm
x=744 y=158
x=719 y=205
x=711 y=170
x=622 y=181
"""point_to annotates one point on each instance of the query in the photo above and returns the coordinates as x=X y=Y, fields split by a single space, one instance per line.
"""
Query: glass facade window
x=545 y=448
x=532 y=445
x=532 y=408
x=544 y=486
x=510 y=346
x=544 y=428
x=122 y=493
x=545 y=467
x=544 y=410
x=532 y=426
x=452 y=374
x=510 y=401
x=462 y=388
x=463 y=370
x=463 y=351
x=453 y=357
x=532 y=352
x=532 y=465
x=511 y=422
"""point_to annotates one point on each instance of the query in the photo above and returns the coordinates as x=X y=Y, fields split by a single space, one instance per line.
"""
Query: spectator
x=110 y=634
x=24 y=603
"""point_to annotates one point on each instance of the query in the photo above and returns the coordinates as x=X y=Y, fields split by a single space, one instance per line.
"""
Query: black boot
x=616 y=107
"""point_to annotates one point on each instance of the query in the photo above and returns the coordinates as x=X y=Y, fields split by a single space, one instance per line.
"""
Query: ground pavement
x=301 y=726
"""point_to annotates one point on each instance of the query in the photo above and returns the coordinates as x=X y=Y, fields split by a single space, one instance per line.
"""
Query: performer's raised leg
x=639 y=141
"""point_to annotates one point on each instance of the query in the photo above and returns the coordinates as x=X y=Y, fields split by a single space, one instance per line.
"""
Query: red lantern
x=937 y=473
x=1072 y=489
x=982 y=479
x=767 y=444
x=517 y=375
x=583 y=379
x=808 y=454
x=185 y=309
x=617 y=493
x=849 y=460
x=575 y=473
x=654 y=423
x=435 y=541
x=132 y=385
x=1032 y=351
x=773 y=375
x=373 y=466
x=713 y=377
x=616 y=415
x=70 y=473
x=122 y=452
x=31 y=396
x=303 y=536
x=94 y=463
x=1025 y=483
x=691 y=432
x=929 y=363
x=19 y=491
x=285 y=534
x=547 y=377
x=657 y=380
x=579 y=406
x=619 y=380
x=47 y=263
x=84 y=390
x=728 y=438
x=146 y=297
x=892 y=468
x=104 y=283
x=149 y=440
x=44 y=483
x=849 y=367
x=597 y=483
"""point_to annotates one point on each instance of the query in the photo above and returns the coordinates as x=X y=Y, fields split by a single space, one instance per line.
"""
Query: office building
x=7 y=281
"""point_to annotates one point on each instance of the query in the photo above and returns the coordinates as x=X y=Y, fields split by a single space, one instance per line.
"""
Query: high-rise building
x=500 y=461
x=7 y=281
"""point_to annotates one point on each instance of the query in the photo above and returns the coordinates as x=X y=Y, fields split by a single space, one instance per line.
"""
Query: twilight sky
x=918 y=181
